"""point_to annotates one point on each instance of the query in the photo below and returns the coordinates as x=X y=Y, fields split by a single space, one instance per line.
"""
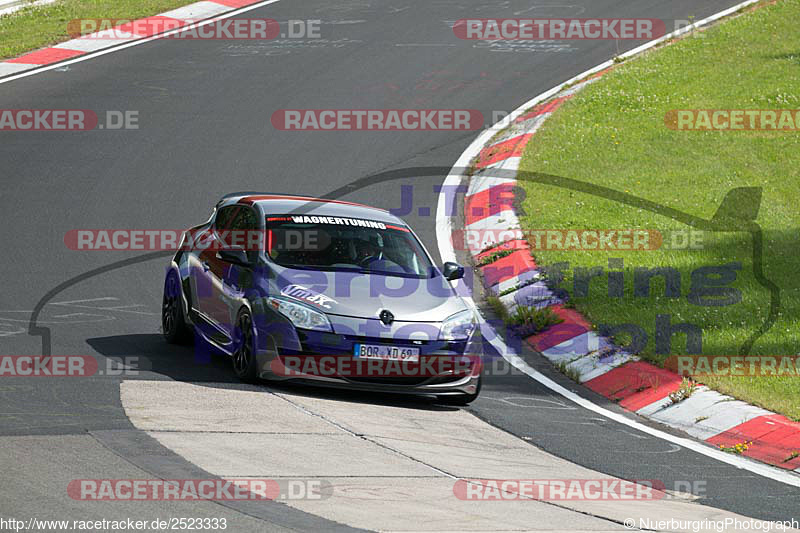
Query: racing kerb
x=635 y=385
x=140 y=29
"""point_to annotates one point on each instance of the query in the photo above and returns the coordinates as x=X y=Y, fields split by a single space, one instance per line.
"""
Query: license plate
x=386 y=353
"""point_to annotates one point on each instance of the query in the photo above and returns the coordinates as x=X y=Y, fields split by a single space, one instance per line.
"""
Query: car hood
x=366 y=295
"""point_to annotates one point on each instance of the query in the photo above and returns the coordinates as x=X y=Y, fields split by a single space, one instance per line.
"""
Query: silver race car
x=325 y=292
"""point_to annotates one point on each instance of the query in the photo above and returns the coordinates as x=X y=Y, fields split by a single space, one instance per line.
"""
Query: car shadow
x=147 y=353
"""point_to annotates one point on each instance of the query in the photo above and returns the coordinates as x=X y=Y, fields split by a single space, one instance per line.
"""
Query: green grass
x=524 y=320
x=35 y=27
x=537 y=319
x=613 y=134
x=496 y=305
x=572 y=373
x=685 y=391
x=494 y=256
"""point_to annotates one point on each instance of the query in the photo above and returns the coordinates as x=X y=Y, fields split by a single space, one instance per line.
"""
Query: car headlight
x=300 y=315
x=458 y=327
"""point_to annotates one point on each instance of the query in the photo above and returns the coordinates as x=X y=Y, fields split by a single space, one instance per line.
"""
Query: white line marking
x=87 y=300
x=423 y=44
x=120 y=308
x=99 y=53
x=11 y=68
x=16 y=6
x=444 y=231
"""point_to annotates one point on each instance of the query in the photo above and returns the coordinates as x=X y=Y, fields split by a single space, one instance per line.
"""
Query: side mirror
x=452 y=271
x=235 y=257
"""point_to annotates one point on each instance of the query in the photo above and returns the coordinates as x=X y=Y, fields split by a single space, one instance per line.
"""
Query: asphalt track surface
x=204 y=114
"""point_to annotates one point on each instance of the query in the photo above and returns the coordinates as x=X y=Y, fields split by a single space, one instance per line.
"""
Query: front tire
x=173 y=323
x=244 y=356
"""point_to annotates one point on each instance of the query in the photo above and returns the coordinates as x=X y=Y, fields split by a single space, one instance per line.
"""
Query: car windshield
x=338 y=243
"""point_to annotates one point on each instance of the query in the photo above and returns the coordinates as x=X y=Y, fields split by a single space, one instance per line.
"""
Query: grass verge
x=36 y=27
x=613 y=134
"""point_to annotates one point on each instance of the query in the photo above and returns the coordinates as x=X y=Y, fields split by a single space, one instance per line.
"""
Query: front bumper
x=456 y=386
x=445 y=368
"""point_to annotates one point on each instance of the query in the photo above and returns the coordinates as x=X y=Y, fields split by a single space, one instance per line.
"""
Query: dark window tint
x=225 y=216
x=244 y=228
x=245 y=219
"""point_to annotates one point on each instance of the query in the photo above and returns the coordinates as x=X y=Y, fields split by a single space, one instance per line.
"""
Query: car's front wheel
x=244 y=356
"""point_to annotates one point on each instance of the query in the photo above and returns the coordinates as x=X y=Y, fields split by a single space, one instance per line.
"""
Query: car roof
x=274 y=204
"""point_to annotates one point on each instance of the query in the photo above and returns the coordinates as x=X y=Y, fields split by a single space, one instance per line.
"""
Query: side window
x=244 y=222
x=245 y=219
x=225 y=216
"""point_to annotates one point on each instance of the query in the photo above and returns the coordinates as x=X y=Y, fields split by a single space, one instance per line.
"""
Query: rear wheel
x=244 y=356
x=173 y=323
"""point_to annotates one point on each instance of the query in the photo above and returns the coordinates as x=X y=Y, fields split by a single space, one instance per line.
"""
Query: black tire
x=462 y=399
x=245 y=365
x=173 y=322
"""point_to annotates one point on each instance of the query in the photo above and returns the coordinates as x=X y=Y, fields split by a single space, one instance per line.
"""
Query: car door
x=207 y=272
x=234 y=279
